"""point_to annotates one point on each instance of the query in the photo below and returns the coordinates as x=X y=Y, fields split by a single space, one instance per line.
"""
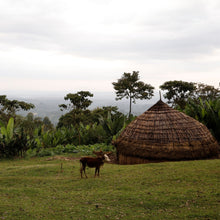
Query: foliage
x=83 y=127
x=178 y=92
x=74 y=117
x=69 y=149
x=30 y=123
x=40 y=189
x=76 y=135
x=103 y=112
x=8 y=108
x=130 y=87
x=12 y=143
x=7 y=132
x=207 y=112
x=78 y=101
x=77 y=109
x=113 y=126
x=15 y=142
x=206 y=92
x=47 y=124
x=96 y=126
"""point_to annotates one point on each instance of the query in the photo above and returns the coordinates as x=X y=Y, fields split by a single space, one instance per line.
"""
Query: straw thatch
x=162 y=133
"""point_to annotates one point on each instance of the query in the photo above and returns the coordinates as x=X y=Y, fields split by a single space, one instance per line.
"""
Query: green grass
x=37 y=189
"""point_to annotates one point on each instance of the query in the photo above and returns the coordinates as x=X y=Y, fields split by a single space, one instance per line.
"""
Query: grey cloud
x=169 y=35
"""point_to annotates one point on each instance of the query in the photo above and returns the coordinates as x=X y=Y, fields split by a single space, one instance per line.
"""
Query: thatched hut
x=163 y=133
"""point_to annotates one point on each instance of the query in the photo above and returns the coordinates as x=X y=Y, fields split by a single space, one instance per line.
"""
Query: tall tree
x=178 y=92
x=130 y=87
x=206 y=92
x=103 y=112
x=47 y=124
x=8 y=108
x=79 y=102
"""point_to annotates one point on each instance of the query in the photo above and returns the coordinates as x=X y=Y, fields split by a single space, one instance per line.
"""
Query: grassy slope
x=36 y=189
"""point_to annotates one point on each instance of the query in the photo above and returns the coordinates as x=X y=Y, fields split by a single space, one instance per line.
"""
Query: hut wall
x=124 y=159
x=137 y=153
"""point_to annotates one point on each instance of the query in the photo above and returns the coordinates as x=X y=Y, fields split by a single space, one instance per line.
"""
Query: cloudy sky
x=72 y=45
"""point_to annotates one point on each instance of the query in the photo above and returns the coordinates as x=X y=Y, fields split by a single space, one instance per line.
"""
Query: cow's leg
x=81 y=171
x=96 y=171
x=84 y=169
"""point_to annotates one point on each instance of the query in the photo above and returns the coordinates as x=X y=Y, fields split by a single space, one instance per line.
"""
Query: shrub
x=59 y=149
x=31 y=153
x=45 y=152
x=70 y=149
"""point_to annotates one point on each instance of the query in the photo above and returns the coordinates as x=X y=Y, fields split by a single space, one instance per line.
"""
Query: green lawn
x=37 y=189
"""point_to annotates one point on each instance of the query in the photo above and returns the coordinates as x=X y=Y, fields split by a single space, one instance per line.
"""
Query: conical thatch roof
x=162 y=133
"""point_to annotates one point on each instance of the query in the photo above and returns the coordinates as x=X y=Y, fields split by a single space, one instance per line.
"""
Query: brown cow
x=93 y=162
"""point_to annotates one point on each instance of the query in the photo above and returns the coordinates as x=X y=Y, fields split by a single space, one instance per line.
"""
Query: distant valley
x=49 y=105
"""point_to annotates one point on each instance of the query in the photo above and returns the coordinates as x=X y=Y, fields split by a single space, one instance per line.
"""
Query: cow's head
x=107 y=158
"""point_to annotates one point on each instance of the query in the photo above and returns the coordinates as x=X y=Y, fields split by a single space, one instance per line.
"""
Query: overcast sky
x=68 y=45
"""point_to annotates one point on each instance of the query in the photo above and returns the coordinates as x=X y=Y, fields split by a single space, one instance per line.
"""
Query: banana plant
x=7 y=131
x=207 y=112
x=112 y=126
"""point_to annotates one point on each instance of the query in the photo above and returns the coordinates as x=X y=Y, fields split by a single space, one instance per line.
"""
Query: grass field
x=37 y=189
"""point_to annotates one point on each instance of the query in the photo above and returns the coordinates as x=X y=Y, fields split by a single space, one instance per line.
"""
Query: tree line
x=79 y=125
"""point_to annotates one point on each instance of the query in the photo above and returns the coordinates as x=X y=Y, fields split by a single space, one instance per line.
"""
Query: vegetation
x=12 y=143
x=48 y=188
x=179 y=92
x=130 y=87
x=81 y=126
x=15 y=141
x=206 y=92
x=68 y=149
x=45 y=186
x=207 y=112
x=77 y=108
x=197 y=100
x=8 y=108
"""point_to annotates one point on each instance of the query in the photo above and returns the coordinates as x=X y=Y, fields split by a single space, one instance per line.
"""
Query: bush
x=59 y=149
x=69 y=149
x=45 y=152
x=31 y=153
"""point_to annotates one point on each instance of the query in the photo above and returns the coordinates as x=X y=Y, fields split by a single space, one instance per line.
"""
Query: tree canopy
x=130 y=87
x=178 y=92
x=78 y=101
x=8 y=108
x=205 y=92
